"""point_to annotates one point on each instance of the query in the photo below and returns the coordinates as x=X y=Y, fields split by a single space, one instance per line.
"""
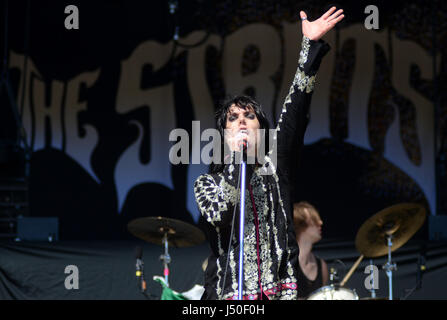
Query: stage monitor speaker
x=37 y=229
x=438 y=227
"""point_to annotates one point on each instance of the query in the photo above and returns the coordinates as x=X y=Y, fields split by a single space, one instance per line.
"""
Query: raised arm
x=316 y=29
x=294 y=115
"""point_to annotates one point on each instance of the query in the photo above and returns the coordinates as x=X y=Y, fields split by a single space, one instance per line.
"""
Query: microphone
x=243 y=146
x=333 y=275
x=140 y=269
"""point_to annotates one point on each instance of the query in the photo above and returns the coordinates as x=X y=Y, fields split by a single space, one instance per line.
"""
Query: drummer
x=312 y=272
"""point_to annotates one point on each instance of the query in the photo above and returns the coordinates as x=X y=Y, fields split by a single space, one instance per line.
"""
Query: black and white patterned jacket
x=270 y=247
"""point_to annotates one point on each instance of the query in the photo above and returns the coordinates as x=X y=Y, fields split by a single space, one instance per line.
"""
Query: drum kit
x=166 y=232
x=380 y=235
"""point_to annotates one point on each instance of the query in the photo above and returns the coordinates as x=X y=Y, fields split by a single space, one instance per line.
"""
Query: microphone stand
x=166 y=258
x=140 y=275
x=241 y=226
x=419 y=274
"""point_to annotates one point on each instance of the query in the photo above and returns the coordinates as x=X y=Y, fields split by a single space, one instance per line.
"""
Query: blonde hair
x=303 y=214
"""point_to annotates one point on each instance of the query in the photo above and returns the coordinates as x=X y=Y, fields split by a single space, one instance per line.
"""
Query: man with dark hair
x=270 y=247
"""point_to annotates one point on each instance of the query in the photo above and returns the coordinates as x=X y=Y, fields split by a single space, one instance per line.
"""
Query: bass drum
x=333 y=293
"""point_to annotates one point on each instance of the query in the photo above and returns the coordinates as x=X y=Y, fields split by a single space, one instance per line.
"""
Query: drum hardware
x=373 y=291
x=400 y=221
x=386 y=232
x=166 y=258
x=333 y=292
x=333 y=275
x=389 y=267
x=351 y=271
x=165 y=232
x=369 y=298
x=421 y=268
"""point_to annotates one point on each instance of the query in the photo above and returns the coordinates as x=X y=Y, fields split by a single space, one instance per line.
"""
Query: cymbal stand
x=389 y=267
x=166 y=258
x=372 y=290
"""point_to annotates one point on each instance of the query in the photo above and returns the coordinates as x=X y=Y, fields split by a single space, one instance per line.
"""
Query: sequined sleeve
x=289 y=134
x=303 y=83
x=216 y=195
x=294 y=115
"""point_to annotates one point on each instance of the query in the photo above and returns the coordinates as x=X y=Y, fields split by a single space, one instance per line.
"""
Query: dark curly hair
x=243 y=102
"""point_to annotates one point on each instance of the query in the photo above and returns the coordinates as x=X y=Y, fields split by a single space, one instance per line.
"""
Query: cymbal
x=401 y=221
x=152 y=229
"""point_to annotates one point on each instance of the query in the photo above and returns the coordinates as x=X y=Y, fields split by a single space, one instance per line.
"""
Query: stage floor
x=30 y=270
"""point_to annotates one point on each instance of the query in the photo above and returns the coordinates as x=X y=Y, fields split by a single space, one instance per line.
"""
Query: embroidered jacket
x=270 y=247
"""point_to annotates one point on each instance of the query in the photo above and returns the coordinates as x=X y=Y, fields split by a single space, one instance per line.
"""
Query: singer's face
x=243 y=119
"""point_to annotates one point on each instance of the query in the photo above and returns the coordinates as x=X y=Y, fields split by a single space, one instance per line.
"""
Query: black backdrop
x=109 y=32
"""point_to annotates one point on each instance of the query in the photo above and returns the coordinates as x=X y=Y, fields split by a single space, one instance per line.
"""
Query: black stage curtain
x=35 y=271
x=106 y=270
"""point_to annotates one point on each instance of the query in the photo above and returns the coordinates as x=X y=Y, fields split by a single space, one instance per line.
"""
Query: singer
x=270 y=246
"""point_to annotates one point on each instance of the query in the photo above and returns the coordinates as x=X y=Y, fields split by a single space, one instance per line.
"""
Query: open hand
x=316 y=29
